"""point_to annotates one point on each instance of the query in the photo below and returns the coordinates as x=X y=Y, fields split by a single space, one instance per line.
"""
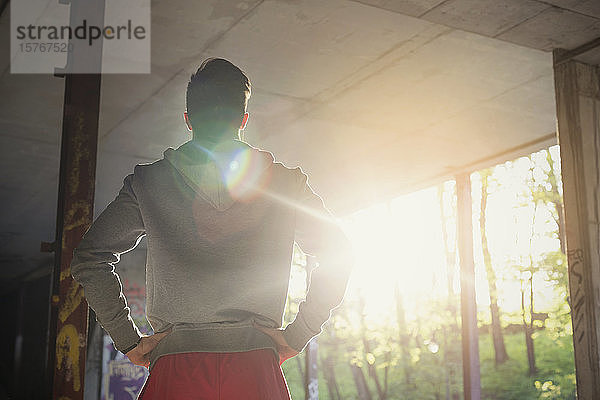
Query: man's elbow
x=83 y=265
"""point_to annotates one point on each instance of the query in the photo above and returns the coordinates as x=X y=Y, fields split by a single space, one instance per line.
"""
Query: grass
x=555 y=378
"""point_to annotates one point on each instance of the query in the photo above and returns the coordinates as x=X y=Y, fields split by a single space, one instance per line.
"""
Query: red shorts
x=250 y=375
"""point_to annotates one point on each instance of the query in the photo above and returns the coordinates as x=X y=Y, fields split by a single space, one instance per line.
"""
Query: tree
x=330 y=342
x=528 y=327
x=531 y=271
x=451 y=301
x=450 y=255
x=369 y=352
x=360 y=382
x=333 y=388
x=549 y=194
x=497 y=336
x=554 y=197
x=404 y=337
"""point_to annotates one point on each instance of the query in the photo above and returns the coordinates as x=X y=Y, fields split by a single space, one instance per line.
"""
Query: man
x=220 y=217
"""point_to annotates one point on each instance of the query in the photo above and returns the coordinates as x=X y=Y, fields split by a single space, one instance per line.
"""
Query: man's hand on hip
x=283 y=348
x=140 y=355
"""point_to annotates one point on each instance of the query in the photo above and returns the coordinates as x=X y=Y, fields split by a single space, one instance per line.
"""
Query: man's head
x=216 y=100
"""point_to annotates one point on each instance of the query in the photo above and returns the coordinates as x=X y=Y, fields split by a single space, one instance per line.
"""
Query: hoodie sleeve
x=117 y=230
x=318 y=235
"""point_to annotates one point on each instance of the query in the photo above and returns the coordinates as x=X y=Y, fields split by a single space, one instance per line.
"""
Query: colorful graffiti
x=121 y=379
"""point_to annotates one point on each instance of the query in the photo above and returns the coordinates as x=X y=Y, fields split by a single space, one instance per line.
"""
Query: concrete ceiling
x=373 y=98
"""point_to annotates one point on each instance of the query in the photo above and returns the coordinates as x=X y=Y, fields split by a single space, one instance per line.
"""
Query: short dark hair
x=217 y=96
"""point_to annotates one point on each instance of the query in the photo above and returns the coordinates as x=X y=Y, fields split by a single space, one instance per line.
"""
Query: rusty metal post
x=470 y=336
x=69 y=310
x=68 y=316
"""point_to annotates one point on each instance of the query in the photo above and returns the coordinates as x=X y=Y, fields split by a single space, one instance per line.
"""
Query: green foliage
x=554 y=380
x=422 y=357
x=554 y=357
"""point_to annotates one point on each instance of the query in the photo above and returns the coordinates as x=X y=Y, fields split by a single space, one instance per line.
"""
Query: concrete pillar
x=578 y=110
x=312 y=371
x=470 y=335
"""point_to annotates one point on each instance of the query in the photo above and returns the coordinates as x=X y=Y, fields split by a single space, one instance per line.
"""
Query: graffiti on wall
x=575 y=260
x=121 y=380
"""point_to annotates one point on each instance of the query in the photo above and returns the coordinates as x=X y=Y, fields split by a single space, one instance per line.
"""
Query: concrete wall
x=578 y=112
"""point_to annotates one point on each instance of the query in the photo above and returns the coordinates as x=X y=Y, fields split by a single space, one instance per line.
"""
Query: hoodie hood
x=223 y=174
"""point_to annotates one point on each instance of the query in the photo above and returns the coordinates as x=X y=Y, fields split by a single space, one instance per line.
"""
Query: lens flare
x=243 y=174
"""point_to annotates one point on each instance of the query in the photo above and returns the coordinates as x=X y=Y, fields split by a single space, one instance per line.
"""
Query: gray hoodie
x=220 y=225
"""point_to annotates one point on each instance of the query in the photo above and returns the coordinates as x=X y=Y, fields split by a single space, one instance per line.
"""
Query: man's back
x=217 y=266
x=219 y=246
